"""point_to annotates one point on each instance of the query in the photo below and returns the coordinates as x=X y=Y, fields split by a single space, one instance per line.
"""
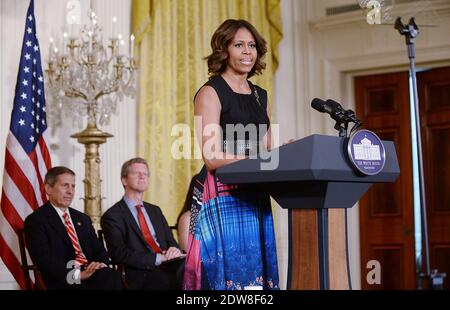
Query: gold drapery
x=173 y=37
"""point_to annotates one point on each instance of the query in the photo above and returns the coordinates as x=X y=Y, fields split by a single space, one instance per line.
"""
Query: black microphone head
x=333 y=104
x=350 y=113
x=318 y=104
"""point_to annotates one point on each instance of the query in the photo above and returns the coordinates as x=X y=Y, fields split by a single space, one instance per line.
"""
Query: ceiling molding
x=441 y=7
x=426 y=57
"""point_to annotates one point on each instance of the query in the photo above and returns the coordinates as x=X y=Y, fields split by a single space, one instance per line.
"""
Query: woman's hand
x=289 y=141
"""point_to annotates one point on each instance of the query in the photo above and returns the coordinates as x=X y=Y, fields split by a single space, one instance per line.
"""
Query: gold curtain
x=173 y=37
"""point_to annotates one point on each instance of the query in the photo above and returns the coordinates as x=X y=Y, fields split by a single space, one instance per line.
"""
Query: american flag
x=27 y=158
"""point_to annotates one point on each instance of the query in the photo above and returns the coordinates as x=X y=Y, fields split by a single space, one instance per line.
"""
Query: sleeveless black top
x=248 y=110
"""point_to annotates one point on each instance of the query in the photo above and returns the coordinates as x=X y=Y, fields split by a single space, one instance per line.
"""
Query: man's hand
x=171 y=253
x=90 y=269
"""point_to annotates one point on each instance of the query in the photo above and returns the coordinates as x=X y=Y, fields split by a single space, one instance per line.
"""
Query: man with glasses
x=138 y=237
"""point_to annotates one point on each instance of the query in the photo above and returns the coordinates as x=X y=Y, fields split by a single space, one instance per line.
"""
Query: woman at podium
x=231 y=244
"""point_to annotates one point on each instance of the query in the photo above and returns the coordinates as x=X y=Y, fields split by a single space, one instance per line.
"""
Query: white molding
x=426 y=56
x=441 y=7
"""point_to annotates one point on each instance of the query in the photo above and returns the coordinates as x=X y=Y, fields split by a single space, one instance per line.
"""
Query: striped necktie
x=79 y=256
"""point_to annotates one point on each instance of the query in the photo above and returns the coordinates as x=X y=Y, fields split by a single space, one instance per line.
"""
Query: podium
x=315 y=181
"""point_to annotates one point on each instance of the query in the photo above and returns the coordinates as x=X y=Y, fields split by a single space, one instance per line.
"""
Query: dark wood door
x=386 y=211
x=434 y=98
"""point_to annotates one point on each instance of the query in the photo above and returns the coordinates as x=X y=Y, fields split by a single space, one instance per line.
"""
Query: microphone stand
x=342 y=127
x=342 y=119
x=434 y=278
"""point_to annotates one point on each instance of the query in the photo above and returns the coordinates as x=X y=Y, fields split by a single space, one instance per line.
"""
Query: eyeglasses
x=139 y=173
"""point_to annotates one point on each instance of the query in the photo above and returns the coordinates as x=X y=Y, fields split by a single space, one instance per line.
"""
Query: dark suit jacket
x=125 y=242
x=50 y=247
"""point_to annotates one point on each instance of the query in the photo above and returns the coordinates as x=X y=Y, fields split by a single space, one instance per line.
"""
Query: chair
x=101 y=238
x=174 y=230
x=27 y=267
x=118 y=267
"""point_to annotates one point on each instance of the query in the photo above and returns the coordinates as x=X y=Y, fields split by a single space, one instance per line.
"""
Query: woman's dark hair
x=221 y=39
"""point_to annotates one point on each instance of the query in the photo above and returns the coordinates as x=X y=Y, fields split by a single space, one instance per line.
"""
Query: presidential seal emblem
x=366 y=152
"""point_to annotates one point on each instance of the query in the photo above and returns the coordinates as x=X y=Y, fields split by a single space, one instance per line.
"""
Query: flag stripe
x=20 y=179
x=11 y=241
x=23 y=161
x=9 y=235
x=45 y=154
x=10 y=190
x=39 y=193
x=11 y=216
x=11 y=262
x=42 y=168
x=9 y=247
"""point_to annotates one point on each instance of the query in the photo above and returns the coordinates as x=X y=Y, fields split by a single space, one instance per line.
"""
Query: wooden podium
x=316 y=183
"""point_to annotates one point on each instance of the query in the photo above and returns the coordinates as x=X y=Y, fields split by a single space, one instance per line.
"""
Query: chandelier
x=86 y=77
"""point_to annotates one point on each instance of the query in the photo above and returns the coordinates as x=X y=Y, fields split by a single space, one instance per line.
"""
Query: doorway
x=387 y=210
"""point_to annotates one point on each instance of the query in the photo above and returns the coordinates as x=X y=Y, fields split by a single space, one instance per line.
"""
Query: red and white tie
x=79 y=256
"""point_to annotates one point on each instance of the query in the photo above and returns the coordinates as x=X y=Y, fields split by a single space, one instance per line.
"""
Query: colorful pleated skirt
x=231 y=239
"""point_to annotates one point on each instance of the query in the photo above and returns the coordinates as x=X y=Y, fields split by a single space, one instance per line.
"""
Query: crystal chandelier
x=88 y=78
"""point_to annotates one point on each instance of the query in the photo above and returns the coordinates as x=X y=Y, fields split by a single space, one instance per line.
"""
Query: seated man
x=60 y=238
x=137 y=235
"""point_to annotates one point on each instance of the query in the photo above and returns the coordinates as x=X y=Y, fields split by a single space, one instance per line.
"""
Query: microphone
x=330 y=107
x=352 y=117
x=320 y=105
x=349 y=114
x=338 y=113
